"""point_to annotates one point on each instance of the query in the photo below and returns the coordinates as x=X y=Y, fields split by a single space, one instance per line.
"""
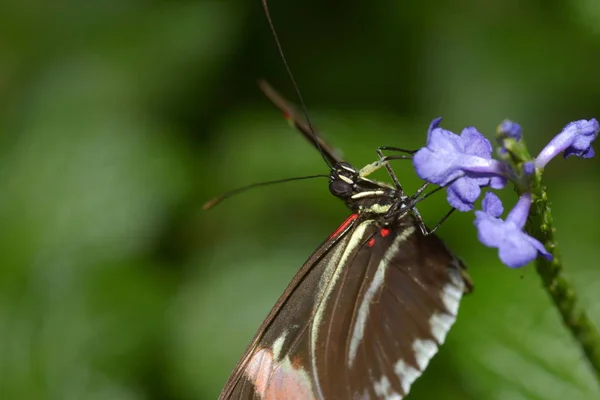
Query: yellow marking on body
x=380 y=209
x=367 y=194
x=346 y=179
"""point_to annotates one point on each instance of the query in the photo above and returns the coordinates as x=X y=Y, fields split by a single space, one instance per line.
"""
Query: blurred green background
x=120 y=118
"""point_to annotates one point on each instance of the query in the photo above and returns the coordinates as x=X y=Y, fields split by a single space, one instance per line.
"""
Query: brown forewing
x=357 y=320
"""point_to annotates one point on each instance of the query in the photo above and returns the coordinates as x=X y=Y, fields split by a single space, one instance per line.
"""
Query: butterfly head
x=343 y=180
x=359 y=193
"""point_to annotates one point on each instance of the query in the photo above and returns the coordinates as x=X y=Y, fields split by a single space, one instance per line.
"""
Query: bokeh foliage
x=120 y=118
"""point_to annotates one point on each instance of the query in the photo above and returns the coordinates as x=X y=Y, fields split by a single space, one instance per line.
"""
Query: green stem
x=557 y=285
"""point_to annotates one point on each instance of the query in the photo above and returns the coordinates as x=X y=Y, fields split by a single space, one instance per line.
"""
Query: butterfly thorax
x=362 y=195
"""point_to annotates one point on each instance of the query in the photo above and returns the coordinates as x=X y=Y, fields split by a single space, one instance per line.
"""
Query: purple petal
x=510 y=129
x=498 y=182
x=434 y=166
x=575 y=139
x=539 y=247
x=515 y=247
x=443 y=140
x=489 y=229
x=482 y=166
x=492 y=205
x=587 y=153
x=518 y=215
x=516 y=251
x=475 y=143
x=528 y=167
x=433 y=125
x=462 y=193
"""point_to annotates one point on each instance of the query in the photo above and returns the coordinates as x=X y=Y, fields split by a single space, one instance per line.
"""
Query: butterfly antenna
x=289 y=72
x=211 y=203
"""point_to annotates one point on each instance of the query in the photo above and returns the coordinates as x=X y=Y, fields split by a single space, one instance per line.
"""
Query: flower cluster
x=464 y=164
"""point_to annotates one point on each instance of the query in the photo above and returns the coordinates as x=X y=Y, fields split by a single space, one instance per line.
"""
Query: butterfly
x=370 y=307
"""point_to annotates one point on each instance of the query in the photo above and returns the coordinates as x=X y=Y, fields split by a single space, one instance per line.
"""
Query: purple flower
x=510 y=129
x=575 y=139
x=528 y=167
x=464 y=163
x=515 y=247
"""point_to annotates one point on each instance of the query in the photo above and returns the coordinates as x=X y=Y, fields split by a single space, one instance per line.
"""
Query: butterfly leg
x=416 y=198
x=398 y=149
x=383 y=162
x=374 y=166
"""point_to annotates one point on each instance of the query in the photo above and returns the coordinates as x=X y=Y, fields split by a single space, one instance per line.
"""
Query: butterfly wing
x=360 y=320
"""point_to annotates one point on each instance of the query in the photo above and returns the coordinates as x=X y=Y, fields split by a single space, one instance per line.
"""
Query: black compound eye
x=340 y=188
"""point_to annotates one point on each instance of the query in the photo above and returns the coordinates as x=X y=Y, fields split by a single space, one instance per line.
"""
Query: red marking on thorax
x=344 y=225
x=371 y=242
x=384 y=232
